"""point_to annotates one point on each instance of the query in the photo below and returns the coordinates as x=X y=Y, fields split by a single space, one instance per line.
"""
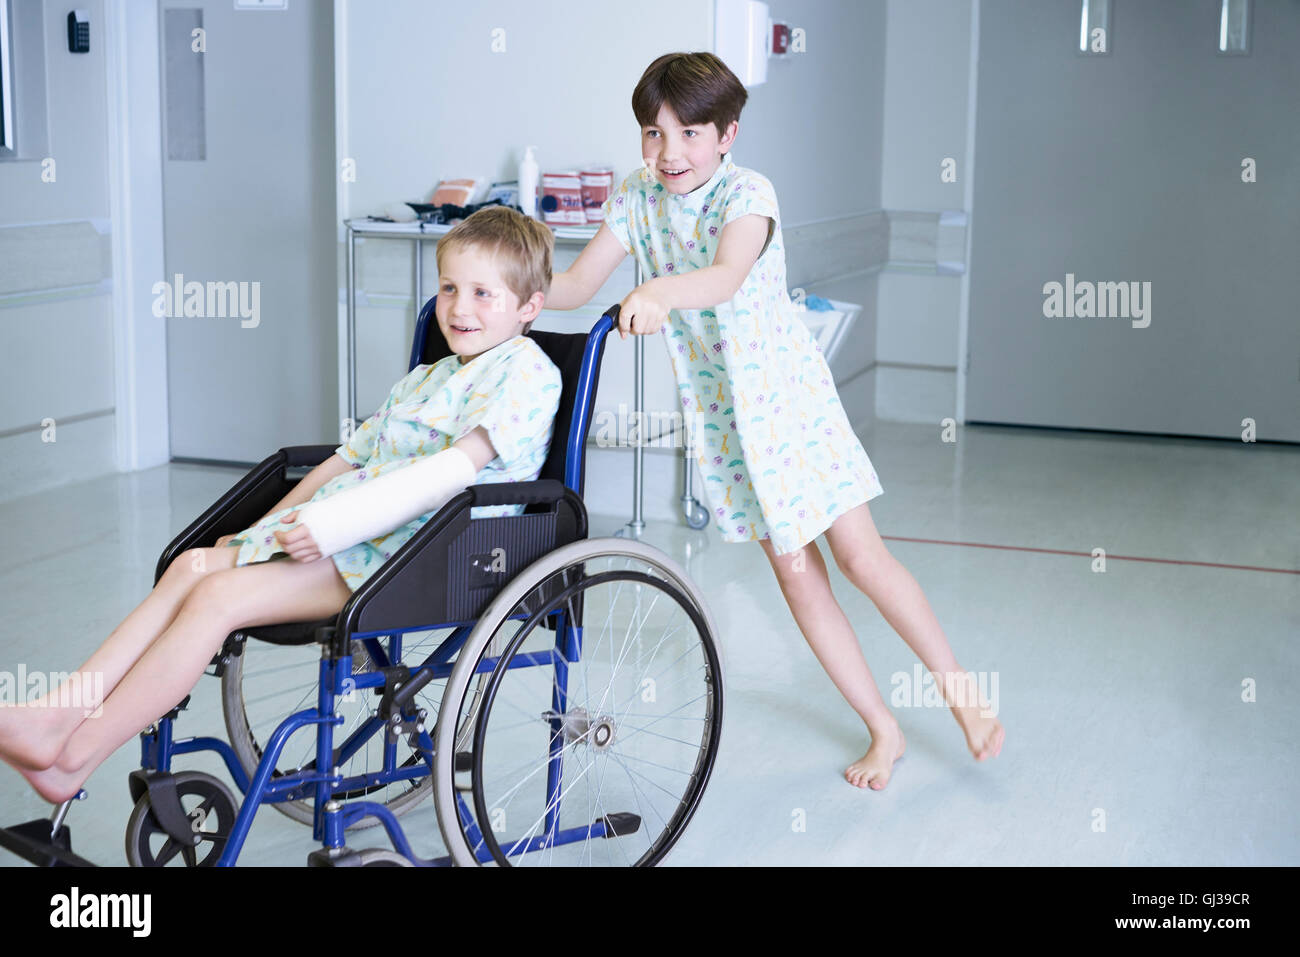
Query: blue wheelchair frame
x=331 y=817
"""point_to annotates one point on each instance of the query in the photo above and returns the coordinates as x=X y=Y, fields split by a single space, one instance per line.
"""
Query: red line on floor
x=1109 y=556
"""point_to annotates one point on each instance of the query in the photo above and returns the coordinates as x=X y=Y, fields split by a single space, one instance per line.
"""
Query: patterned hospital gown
x=512 y=390
x=774 y=445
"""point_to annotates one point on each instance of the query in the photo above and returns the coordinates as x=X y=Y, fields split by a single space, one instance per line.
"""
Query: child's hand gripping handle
x=641 y=313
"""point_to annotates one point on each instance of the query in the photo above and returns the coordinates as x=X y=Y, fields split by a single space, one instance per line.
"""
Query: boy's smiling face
x=476 y=310
x=683 y=158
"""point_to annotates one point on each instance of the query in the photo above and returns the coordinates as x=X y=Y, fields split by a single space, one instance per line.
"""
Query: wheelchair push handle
x=612 y=315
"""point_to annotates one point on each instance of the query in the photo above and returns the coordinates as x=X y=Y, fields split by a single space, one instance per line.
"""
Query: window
x=6 y=82
x=24 y=129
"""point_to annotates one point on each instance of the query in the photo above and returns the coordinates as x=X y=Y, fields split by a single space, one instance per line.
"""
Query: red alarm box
x=780 y=39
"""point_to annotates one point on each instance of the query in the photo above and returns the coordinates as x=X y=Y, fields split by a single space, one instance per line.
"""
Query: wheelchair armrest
x=536 y=492
x=307 y=456
x=427 y=579
x=245 y=502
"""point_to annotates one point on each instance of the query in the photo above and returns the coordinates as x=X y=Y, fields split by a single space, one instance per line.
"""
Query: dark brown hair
x=520 y=245
x=698 y=87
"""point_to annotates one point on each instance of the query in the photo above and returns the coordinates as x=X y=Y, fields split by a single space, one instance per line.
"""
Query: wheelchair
x=573 y=686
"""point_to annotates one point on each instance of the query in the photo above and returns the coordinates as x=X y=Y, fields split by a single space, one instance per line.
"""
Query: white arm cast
x=377 y=506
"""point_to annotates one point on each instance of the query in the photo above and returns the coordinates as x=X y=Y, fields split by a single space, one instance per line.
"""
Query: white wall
x=55 y=264
x=429 y=99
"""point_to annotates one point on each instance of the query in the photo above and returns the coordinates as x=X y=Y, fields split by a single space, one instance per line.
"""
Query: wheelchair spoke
x=531 y=720
x=537 y=719
x=600 y=792
x=684 y=653
x=622 y=654
x=669 y=714
x=571 y=746
x=504 y=806
x=666 y=737
x=656 y=764
x=638 y=683
x=169 y=850
x=624 y=757
x=636 y=792
x=658 y=717
x=636 y=796
x=276 y=669
x=601 y=788
x=307 y=695
x=554 y=804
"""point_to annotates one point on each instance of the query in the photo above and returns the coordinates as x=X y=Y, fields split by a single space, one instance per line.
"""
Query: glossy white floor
x=1149 y=708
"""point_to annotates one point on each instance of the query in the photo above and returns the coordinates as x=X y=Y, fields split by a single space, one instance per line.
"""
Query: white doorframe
x=968 y=202
x=133 y=64
x=342 y=188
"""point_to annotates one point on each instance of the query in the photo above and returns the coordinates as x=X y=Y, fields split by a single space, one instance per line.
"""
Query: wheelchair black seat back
x=569 y=353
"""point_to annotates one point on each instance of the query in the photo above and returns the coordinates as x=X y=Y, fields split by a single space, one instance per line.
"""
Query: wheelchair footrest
x=33 y=842
x=164 y=803
x=621 y=823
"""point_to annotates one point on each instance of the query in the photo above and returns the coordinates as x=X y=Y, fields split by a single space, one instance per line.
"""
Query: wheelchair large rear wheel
x=591 y=745
x=267 y=682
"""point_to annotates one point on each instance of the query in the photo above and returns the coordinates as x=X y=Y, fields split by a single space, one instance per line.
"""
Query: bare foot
x=30 y=736
x=874 y=768
x=54 y=784
x=984 y=733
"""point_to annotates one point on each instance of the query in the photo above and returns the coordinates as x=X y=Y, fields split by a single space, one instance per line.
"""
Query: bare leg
x=864 y=560
x=222 y=602
x=807 y=590
x=32 y=735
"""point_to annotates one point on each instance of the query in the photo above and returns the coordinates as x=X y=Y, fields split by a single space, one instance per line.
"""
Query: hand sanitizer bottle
x=528 y=183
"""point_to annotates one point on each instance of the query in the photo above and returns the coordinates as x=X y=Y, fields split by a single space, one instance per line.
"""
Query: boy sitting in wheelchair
x=483 y=414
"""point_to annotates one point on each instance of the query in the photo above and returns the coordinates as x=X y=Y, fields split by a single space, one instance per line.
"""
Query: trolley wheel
x=211 y=808
x=698 y=516
x=591 y=745
x=266 y=683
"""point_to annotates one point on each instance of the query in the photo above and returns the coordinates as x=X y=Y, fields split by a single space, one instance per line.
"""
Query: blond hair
x=521 y=246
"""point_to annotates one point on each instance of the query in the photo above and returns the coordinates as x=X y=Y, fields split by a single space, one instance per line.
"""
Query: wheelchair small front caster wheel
x=211 y=809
